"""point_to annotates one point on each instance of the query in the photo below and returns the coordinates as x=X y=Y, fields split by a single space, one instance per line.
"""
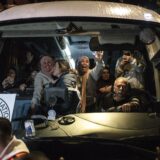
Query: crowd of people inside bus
x=98 y=89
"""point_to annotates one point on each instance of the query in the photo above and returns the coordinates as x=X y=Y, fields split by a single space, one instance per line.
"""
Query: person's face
x=29 y=55
x=56 y=69
x=84 y=64
x=12 y=73
x=105 y=74
x=120 y=89
x=47 y=64
x=126 y=57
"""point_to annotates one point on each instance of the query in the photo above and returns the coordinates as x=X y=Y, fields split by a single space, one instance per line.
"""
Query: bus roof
x=79 y=9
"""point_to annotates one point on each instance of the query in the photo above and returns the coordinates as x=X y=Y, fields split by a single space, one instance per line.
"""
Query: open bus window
x=112 y=41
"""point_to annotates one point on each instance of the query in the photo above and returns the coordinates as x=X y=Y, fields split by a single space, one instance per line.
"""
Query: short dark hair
x=106 y=67
x=127 y=52
x=5 y=129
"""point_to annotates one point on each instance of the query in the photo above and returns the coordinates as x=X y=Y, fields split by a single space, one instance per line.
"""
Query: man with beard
x=125 y=99
x=87 y=81
x=43 y=79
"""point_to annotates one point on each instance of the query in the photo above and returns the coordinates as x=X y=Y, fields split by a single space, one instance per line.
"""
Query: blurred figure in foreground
x=11 y=148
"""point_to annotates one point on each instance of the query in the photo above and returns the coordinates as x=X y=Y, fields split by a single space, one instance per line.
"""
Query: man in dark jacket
x=125 y=99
